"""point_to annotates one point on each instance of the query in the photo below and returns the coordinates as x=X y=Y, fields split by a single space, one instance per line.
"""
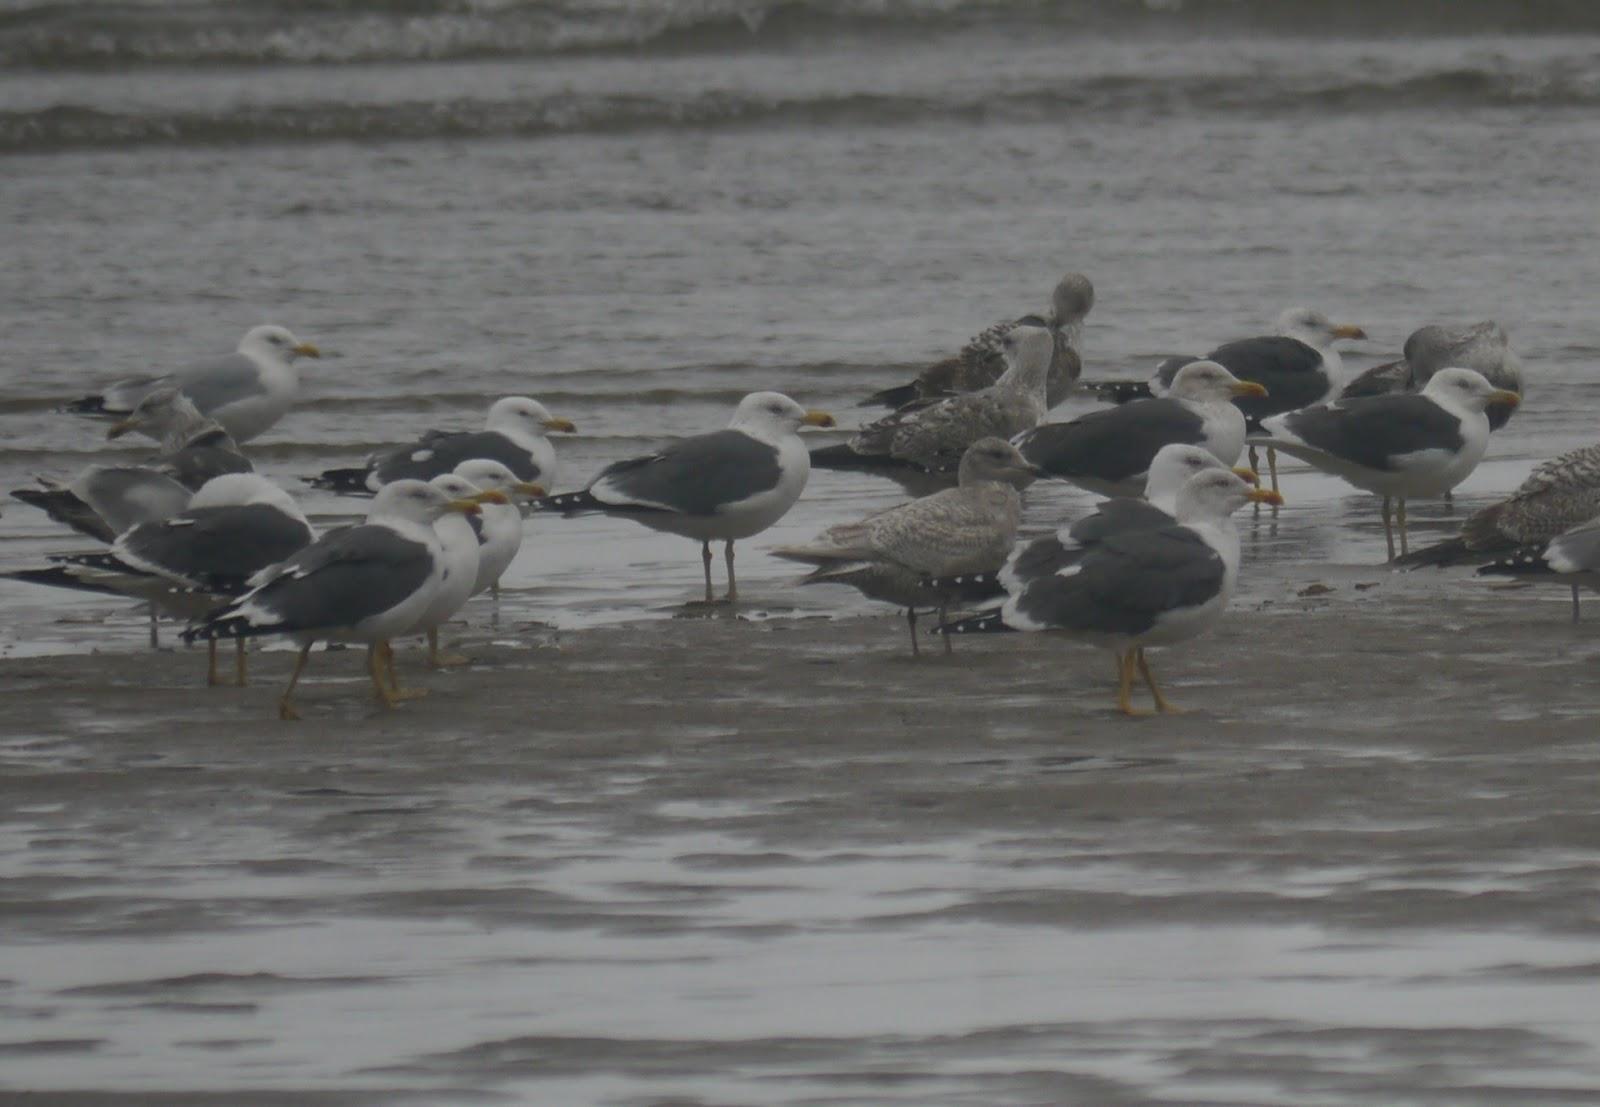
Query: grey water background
x=639 y=212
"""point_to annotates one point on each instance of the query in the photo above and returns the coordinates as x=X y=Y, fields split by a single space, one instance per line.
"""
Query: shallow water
x=638 y=214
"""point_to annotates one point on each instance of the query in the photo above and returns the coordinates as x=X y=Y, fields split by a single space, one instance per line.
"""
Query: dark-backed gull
x=723 y=486
x=1138 y=588
x=1399 y=446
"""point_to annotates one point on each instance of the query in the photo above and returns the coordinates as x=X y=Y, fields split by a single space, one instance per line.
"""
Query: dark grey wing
x=1115 y=444
x=64 y=506
x=697 y=476
x=1380 y=380
x=216 y=549
x=439 y=452
x=1169 y=368
x=1051 y=553
x=338 y=581
x=1123 y=585
x=1375 y=430
x=1291 y=371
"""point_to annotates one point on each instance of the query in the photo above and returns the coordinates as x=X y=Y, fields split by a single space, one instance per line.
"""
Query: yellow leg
x=436 y=660
x=1125 y=684
x=286 y=710
x=1272 y=467
x=1163 y=705
x=375 y=668
x=397 y=694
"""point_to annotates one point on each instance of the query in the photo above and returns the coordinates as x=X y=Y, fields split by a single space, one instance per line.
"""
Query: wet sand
x=748 y=859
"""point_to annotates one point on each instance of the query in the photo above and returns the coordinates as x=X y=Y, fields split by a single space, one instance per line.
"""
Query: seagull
x=236 y=525
x=931 y=436
x=1109 y=451
x=1174 y=464
x=723 y=486
x=968 y=529
x=246 y=392
x=1138 y=588
x=499 y=526
x=365 y=583
x=513 y=434
x=982 y=360
x=458 y=572
x=1481 y=346
x=1399 y=446
x=194 y=447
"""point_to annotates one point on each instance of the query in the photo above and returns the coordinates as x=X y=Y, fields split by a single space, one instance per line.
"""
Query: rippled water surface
x=638 y=213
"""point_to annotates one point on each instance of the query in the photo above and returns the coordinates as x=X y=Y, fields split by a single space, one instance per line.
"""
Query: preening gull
x=364 y=583
x=1138 y=588
x=967 y=529
x=1399 y=446
x=499 y=526
x=513 y=434
x=233 y=527
x=723 y=486
x=246 y=391
x=931 y=436
x=1481 y=346
x=982 y=360
x=1109 y=451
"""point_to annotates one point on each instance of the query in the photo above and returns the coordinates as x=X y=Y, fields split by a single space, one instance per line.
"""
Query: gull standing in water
x=723 y=486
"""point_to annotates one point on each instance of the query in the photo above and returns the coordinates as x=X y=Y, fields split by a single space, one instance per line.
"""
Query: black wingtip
x=966 y=587
x=990 y=622
x=898 y=396
x=348 y=482
x=1437 y=556
x=841 y=456
x=567 y=503
x=1118 y=392
x=87 y=405
x=1528 y=561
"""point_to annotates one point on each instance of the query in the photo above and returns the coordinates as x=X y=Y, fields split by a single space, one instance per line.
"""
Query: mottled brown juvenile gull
x=1398 y=447
x=514 y=434
x=931 y=436
x=968 y=529
x=982 y=360
x=1138 y=588
x=723 y=486
x=364 y=583
x=246 y=391
x=1110 y=451
x=1481 y=346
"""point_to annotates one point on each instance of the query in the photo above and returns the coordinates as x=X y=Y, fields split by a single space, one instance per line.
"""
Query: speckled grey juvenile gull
x=1399 y=446
x=723 y=486
x=246 y=391
x=982 y=360
x=932 y=436
x=1138 y=588
x=967 y=529
x=1483 y=346
x=364 y=583
x=1109 y=451
x=514 y=434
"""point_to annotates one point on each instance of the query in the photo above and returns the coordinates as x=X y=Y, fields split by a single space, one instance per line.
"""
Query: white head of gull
x=500 y=525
